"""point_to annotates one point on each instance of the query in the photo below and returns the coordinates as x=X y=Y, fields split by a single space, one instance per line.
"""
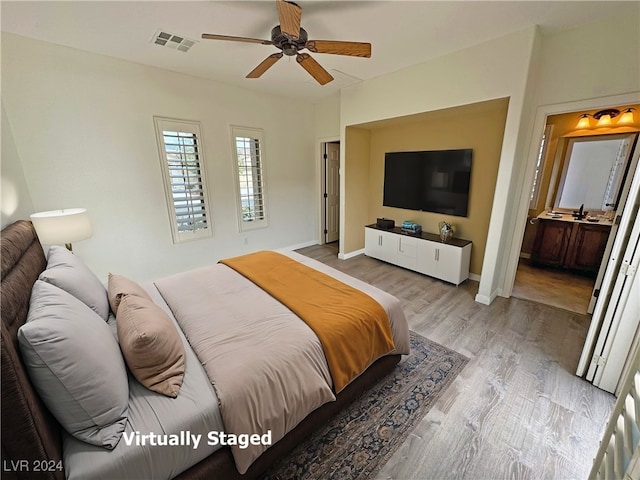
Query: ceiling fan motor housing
x=288 y=45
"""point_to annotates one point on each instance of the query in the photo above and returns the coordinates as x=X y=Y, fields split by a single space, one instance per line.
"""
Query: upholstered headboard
x=31 y=437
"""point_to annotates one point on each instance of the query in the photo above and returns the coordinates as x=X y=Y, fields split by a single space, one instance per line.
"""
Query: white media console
x=424 y=253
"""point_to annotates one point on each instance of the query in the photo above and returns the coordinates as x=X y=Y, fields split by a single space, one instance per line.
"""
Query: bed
x=34 y=444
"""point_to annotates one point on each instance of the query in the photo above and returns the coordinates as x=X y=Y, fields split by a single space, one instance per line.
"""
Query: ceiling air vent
x=175 y=42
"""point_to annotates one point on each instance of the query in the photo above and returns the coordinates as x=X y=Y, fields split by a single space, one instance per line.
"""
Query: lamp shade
x=56 y=227
x=627 y=117
x=604 y=121
x=583 y=122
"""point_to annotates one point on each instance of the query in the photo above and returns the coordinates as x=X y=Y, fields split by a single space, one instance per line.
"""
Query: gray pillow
x=75 y=365
x=66 y=271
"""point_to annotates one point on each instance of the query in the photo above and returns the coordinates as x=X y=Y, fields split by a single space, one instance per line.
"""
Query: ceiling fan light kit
x=290 y=38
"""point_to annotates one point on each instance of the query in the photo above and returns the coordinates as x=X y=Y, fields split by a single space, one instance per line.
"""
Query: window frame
x=540 y=164
x=165 y=124
x=255 y=134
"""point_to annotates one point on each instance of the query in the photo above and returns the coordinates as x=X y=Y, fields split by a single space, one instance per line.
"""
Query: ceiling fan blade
x=289 y=14
x=265 y=65
x=353 y=49
x=211 y=36
x=314 y=68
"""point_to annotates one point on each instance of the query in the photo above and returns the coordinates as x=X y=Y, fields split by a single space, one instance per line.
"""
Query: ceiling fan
x=290 y=38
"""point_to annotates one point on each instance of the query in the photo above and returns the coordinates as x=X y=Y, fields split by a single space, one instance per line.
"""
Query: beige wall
x=498 y=68
x=478 y=126
x=357 y=188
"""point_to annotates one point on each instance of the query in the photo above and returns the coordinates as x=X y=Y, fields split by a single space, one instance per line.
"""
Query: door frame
x=521 y=207
x=320 y=184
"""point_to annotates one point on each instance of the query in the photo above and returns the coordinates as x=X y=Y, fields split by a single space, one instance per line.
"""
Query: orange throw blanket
x=352 y=327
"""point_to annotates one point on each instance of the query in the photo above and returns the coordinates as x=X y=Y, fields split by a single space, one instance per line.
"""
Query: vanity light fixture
x=605 y=118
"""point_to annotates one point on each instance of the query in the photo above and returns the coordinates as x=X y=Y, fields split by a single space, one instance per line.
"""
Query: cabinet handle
x=400 y=245
x=380 y=240
x=437 y=254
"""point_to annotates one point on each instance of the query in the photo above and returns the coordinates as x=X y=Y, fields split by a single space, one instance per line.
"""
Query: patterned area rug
x=362 y=438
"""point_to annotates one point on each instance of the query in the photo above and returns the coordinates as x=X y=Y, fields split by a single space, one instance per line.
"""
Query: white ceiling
x=402 y=33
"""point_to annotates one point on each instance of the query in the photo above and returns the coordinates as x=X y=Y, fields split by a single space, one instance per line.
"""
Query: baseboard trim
x=290 y=248
x=487 y=300
x=347 y=256
x=525 y=255
x=474 y=277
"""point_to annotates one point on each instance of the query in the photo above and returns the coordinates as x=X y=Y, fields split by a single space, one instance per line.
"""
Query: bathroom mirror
x=593 y=171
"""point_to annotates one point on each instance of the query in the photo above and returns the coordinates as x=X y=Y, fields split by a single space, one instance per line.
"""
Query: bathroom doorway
x=561 y=258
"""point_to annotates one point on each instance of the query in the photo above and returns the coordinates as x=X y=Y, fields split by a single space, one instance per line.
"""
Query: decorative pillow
x=75 y=364
x=120 y=286
x=66 y=271
x=151 y=345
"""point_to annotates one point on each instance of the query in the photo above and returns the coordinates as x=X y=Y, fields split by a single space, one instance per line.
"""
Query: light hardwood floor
x=516 y=411
x=554 y=287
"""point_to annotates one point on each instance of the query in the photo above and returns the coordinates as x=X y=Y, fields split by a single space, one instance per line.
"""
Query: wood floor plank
x=516 y=411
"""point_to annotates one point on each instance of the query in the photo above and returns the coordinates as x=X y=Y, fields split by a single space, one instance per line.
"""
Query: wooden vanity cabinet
x=552 y=242
x=571 y=245
x=587 y=246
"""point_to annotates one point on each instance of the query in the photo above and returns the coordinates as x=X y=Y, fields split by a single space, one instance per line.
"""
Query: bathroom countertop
x=568 y=217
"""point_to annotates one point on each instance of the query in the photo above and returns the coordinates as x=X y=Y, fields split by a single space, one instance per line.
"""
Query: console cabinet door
x=443 y=261
x=427 y=261
x=381 y=245
x=452 y=262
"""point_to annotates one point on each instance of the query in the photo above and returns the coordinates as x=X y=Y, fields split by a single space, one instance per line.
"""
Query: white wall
x=589 y=67
x=591 y=61
x=327 y=117
x=83 y=129
x=16 y=201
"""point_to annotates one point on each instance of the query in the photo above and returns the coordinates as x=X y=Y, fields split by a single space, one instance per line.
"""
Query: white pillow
x=75 y=365
x=66 y=271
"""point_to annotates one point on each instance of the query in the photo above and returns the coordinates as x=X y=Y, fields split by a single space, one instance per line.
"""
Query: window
x=249 y=167
x=180 y=148
x=537 y=177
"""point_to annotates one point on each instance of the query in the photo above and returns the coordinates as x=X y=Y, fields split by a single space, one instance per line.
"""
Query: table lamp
x=62 y=226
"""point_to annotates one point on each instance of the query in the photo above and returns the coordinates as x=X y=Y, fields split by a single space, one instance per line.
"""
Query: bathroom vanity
x=565 y=242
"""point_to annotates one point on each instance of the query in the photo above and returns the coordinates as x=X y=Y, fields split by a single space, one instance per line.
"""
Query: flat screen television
x=430 y=181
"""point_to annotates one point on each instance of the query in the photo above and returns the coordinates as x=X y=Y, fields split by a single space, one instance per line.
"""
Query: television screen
x=430 y=181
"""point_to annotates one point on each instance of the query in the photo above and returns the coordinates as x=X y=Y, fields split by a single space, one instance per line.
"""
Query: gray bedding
x=267 y=365
x=194 y=411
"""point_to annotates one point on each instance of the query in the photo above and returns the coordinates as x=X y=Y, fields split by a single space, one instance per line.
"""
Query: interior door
x=610 y=323
x=632 y=151
x=332 y=192
x=621 y=321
